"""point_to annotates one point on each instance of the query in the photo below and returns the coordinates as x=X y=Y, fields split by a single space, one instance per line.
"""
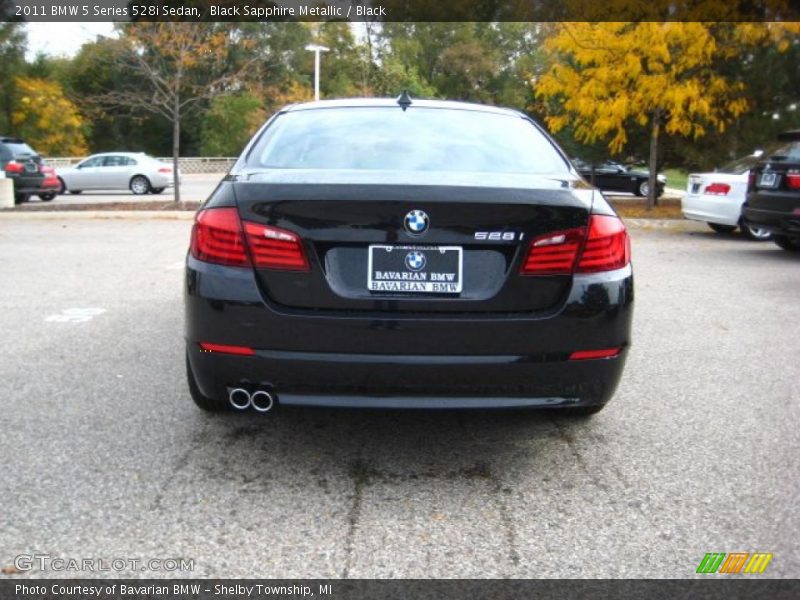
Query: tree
x=12 y=56
x=47 y=119
x=230 y=123
x=175 y=67
x=607 y=76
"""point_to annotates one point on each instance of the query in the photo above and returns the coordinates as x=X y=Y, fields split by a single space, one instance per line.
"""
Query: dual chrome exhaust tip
x=241 y=399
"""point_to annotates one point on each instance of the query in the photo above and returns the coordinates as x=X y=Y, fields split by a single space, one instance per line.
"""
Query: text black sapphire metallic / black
x=357 y=241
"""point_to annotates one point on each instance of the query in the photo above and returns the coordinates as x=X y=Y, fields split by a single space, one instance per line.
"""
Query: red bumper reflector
x=224 y=349
x=590 y=354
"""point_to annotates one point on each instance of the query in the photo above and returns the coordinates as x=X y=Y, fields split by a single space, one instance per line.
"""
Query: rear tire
x=787 y=243
x=140 y=185
x=21 y=198
x=63 y=188
x=157 y=190
x=47 y=197
x=755 y=234
x=722 y=228
x=76 y=192
x=203 y=402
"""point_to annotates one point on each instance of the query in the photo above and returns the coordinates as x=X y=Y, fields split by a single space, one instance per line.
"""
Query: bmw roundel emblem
x=415 y=260
x=416 y=222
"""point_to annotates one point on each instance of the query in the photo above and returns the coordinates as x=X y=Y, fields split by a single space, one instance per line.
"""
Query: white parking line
x=75 y=315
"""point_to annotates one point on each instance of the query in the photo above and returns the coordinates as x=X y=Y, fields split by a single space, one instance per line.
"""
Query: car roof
x=392 y=102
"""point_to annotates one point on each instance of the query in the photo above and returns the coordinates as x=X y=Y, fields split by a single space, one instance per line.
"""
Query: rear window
x=18 y=149
x=788 y=152
x=740 y=165
x=419 y=139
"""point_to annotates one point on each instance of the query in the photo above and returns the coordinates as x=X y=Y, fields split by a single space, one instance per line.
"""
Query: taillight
x=718 y=189
x=13 y=166
x=554 y=253
x=595 y=354
x=165 y=170
x=793 y=179
x=607 y=247
x=217 y=238
x=273 y=248
x=226 y=349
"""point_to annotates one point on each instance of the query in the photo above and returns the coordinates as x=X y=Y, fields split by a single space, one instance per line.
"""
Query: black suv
x=773 y=194
x=22 y=165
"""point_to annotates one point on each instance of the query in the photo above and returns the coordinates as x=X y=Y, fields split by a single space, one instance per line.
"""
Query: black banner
x=398 y=10
x=712 y=588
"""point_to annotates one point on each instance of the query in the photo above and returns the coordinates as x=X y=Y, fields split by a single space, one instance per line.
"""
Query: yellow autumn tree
x=604 y=77
x=47 y=119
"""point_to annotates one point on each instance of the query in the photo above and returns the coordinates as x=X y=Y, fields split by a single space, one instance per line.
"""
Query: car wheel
x=643 y=189
x=47 y=197
x=787 y=243
x=156 y=190
x=76 y=192
x=140 y=185
x=20 y=198
x=203 y=402
x=63 y=187
x=722 y=228
x=755 y=233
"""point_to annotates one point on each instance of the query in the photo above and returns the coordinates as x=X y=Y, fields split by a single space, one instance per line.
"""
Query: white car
x=717 y=198
x=137 y=172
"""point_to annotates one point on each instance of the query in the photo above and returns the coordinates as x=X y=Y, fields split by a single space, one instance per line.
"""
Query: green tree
x=230 y=122
x=13 y=42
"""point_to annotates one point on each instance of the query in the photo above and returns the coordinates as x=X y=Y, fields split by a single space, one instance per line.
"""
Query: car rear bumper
x=774 y=221
x=709 y=208
x=395 y=360
x=27 y=184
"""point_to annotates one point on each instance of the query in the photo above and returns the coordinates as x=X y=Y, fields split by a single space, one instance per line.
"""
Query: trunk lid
x=340 y=214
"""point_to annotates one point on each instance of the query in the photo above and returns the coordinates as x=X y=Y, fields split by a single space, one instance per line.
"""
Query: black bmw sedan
x=406 y=254
x=611 y=176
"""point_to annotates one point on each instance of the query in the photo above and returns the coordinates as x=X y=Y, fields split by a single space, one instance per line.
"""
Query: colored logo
x=415 y=260
x=416 y=222
x=734 y=562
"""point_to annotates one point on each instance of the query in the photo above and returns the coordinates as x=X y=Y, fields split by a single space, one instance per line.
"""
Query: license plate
x=769 y=180
x=415 y=269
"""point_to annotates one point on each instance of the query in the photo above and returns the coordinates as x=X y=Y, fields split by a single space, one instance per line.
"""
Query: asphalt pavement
x=104 y=455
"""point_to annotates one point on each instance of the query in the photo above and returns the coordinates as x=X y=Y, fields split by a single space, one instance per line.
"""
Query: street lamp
x=316 y=49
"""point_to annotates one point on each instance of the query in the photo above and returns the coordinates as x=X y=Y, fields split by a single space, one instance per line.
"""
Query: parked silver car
x=137 y=172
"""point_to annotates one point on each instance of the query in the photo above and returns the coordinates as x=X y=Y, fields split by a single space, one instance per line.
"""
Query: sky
x=62 y=39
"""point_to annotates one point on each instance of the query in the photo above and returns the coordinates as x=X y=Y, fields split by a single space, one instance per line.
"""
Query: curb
x=664 y=224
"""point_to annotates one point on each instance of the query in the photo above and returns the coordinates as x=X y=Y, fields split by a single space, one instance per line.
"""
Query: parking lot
x=104 y=454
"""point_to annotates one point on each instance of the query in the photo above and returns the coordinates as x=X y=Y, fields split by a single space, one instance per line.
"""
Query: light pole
x=316 y=49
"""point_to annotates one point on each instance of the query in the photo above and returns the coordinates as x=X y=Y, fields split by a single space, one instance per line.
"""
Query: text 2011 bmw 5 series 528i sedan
x=406 y=254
